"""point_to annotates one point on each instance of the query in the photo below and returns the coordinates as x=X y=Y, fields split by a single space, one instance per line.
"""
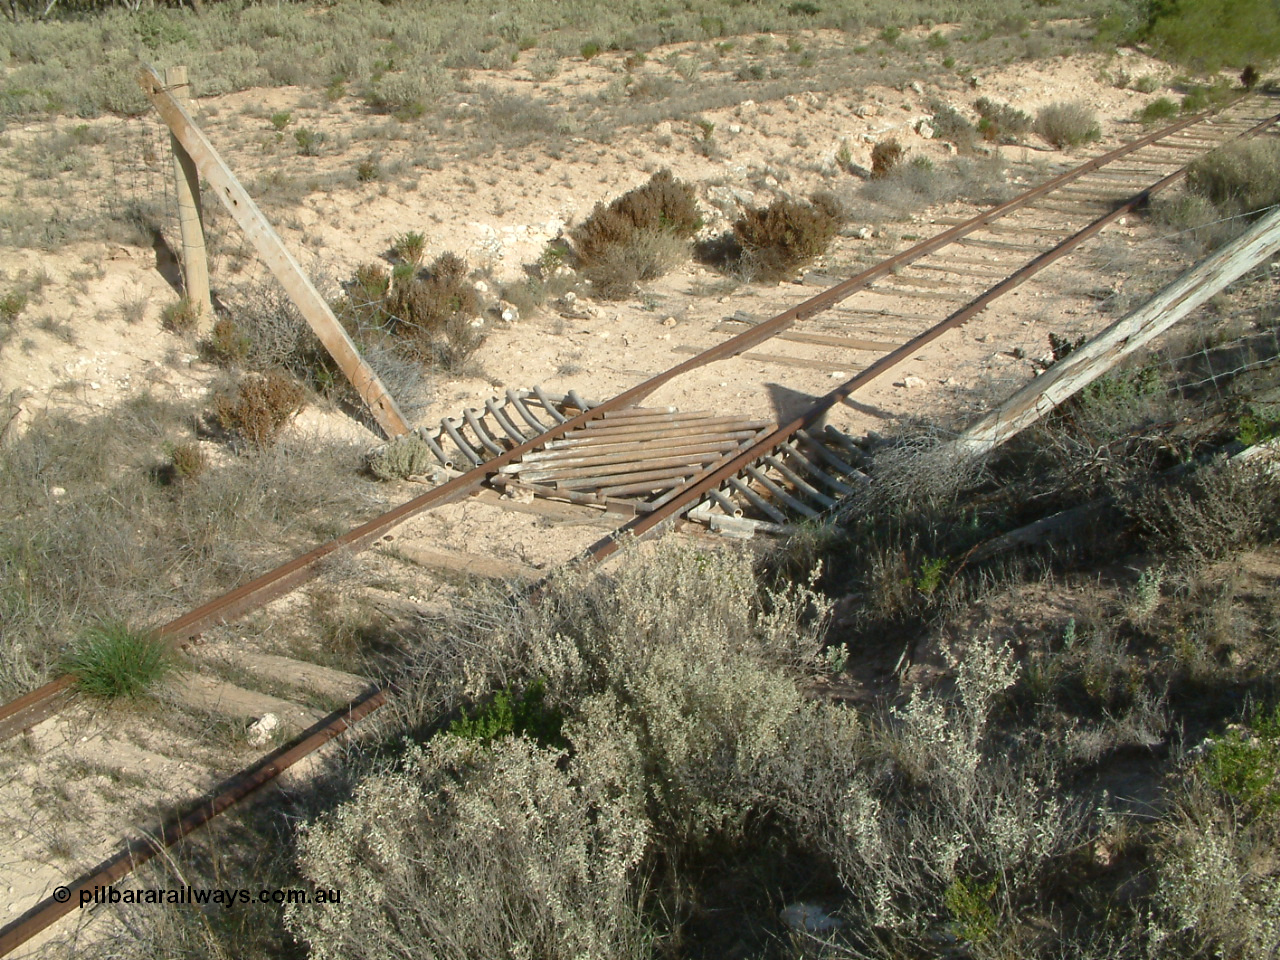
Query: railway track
x=654 y=465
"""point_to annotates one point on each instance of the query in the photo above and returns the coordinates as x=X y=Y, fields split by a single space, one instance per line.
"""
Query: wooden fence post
x=275 y=255
x=1090 y=361
x=195 y=263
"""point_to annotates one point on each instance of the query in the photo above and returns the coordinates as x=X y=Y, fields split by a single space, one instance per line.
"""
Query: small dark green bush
x=227 y=344
x=1157 y=110
x=309 y=141
x=182 y=317
x=11 y=306
x=1247 y=767
x=113 y=661
x=507 y=715
x=1067 y=125
x=779 y=239
x=410 y=246
x=1000 y=122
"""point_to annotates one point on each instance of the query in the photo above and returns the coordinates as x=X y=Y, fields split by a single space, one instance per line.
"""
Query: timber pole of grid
x=275 y=255
x=195 y=262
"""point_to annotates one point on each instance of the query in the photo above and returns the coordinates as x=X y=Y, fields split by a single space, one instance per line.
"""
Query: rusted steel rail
x=137 y=852
x=711 y=480
x=283 y=579
x=297 y=571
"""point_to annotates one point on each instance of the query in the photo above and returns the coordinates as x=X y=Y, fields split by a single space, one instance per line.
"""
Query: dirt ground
x=91 y=335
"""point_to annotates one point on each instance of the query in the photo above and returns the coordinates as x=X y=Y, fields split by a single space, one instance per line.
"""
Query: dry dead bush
x=259 y=407
x=435 y=317
x=1210 y=512
x=639 y=236
x=274 y=334
x=779 y=239
x=886 y=155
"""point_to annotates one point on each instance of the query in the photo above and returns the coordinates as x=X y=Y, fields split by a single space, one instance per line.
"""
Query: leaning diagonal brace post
x=274 y=253
x=1090 y=361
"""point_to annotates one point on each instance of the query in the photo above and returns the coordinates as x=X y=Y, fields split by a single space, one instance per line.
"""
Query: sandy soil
x=91 y=335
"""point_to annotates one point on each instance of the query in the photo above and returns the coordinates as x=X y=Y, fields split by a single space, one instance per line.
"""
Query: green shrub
x=309 y=141
x=779 y=239
x=1000 y=122
x=409 y=247
x=1257 y=428
x=1158 y=110
x=969 y=904
x=639 y=236
x=507 y=715
x=258 y=409
x=1067 y=125
x=1209 y=35
x=11 y=306
x=113 y=661
x=281 y=120
x=1202 y=97
x=227 y=344
x=469 y=851
x=182 y=317
x=1245 y=765
x=589 y=50
x=1241 y=177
